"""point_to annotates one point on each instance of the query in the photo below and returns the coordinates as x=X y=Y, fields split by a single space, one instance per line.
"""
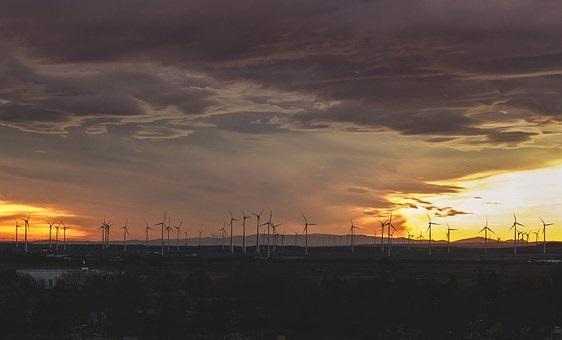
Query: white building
x=47 y=278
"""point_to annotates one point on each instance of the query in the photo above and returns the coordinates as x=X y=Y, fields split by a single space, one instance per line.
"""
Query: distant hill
x=314 y=240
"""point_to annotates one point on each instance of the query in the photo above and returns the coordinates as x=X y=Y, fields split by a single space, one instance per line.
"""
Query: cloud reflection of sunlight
x=531 y=194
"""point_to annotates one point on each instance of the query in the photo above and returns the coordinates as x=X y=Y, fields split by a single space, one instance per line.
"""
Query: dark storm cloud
x=510 y=137
x=248 y=122
x=32 y=96
x=417 y=67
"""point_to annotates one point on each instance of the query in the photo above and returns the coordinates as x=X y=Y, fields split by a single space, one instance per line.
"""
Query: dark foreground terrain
x=209 y=294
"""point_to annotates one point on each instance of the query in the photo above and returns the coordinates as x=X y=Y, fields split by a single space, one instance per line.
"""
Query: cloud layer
x=351 y=100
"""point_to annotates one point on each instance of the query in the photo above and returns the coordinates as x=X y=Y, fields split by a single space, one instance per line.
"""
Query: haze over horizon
x=126 y=109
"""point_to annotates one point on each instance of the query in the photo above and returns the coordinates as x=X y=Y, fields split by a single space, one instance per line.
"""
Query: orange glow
x=531 y=194
x=38 y=222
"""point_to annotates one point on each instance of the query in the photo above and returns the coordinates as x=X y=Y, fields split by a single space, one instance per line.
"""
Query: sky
x=340 y=110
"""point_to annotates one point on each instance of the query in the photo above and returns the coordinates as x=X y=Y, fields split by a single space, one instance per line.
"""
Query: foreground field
x=209 y=294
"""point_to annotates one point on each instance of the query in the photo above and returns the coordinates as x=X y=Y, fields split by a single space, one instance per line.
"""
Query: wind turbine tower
x=223 y=233
x=17 y=227
x=168 y=228
x=50 y=234
x=162 y=227
x=232 y=219
x=57 y=227
x=383 y=224
x=544 y=225
x=352 y=228
x=64 y=227
x=268 y=224
x=258 y=225
x=275 y=235
x=244 y=218
x=306 y=225
x=178 y=231
x=25 y=230
x=125 y=233
x=429 y=229
x=390 y=226
x=515 y=235
x=486 y=229
x=449 y=229
x=146 y=230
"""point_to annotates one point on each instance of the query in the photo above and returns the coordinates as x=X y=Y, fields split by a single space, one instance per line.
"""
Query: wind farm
x=268 y=241
x=351 y=256
x=273 y=170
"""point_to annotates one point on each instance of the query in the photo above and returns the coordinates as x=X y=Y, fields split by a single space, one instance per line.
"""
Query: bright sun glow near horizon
x=531 y=195
x=39 y=221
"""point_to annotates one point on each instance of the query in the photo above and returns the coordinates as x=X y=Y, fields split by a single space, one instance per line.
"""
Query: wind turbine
x=223 y=233
x=410 y=239
x=514 y=227
x=449 y=229
x=258 y=225
x=383 y=224
x=274 y=229
x=420 y=237
x=268 y=224
x=352 y=228
x=108 y=226
x=57 y=227
x=486 y=229
x=146 y=229
x=232 y=219
x=390 y=226
x=244 y=218
x=544 y=225
x=162 y=227
x=185 y=238
x=168 y=228
x=429 y=228
x=537 y=233
x=50 y=233
x=64 y=227
x=306 y=225
x=102 y=228
x=17 y=227
x=25 y=230
x=125 y=233
x=178 y=229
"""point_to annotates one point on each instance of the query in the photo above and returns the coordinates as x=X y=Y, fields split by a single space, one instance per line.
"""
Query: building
x=47 y=278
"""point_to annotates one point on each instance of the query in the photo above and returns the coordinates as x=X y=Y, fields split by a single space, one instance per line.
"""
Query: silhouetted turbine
x=232 y=219
x=162 y=227
x=306 y=225
x=429 y=228
x=544 y=225
x=125 y=233
x=515 y=235
x=390 y=233
x=244 y=218
x=17 y=227
x=486 y=229
x=352 y=228
x=258 y=225
x=449 y=229
x=25 y=230
x=147 y=229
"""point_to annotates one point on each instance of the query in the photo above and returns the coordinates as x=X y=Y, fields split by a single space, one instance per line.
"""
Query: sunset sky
x=339 y=109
